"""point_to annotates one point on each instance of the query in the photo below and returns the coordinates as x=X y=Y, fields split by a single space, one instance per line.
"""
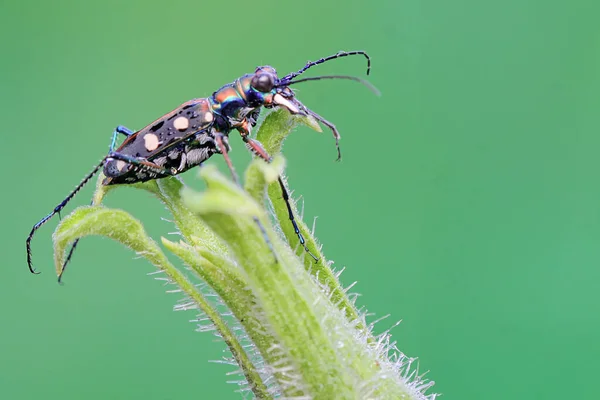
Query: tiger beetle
x=199 y=128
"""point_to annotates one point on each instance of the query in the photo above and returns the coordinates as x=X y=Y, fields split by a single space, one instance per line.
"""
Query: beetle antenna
x=368 y=84
x=325 y=59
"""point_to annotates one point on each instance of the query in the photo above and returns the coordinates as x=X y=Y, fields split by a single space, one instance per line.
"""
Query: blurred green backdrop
x=467 y=203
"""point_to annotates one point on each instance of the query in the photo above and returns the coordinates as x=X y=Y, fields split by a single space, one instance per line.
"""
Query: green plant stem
x=120 y=226
x=277 y=126
x=311 y=338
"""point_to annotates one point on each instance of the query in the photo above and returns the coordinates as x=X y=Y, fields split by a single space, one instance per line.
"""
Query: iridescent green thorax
x=234 y=101
x=243 y=86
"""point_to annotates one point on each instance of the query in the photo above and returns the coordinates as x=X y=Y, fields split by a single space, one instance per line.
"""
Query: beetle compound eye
x=263 y=82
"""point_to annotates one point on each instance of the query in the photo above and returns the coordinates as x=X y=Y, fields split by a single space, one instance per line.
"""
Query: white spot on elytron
x=151 y=141
x=280 y=100
x=208 y=117
x=181 y=123
x=121 y=164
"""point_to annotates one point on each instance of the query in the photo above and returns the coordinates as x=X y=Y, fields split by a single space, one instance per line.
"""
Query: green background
x=467 y=202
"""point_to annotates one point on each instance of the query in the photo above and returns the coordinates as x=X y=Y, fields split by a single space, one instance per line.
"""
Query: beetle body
x=193 y=132
x=186 y=136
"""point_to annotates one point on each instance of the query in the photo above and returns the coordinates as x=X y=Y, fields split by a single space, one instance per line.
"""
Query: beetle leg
x=123 y=130
x=257 y=148
x=57 y=210
x=142 y=164
x=119 y=130
x=336 y=133
x=223 y=148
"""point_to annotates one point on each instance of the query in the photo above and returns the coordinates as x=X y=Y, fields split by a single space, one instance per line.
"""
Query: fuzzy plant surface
x=292 y=330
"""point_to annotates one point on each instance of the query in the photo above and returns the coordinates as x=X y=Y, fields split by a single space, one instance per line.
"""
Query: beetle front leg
x=330 y=125
x=257 y=148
